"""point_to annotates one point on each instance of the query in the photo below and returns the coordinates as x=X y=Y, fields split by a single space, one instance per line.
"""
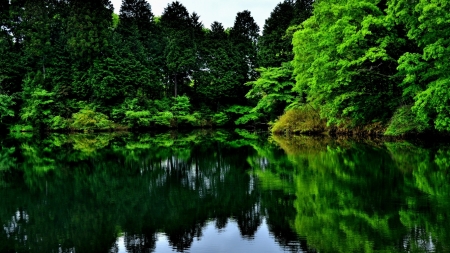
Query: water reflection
x=221 y=191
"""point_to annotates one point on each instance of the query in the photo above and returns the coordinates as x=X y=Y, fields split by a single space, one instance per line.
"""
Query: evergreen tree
x=273 y=47
x=11 y=69
x=136 y=13
x=244 y=37
x=216 y=84
x=180 y=50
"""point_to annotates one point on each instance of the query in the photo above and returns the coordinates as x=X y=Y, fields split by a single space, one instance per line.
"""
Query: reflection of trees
x=91 y=195
x=80 y=193
x=356 y=198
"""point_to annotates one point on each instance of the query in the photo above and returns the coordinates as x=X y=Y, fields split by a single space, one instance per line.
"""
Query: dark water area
x=219 y=191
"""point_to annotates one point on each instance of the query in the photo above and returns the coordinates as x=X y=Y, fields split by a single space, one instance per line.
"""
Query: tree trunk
x=176 y=84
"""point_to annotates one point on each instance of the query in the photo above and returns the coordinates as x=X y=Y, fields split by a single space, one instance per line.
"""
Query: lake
x=222 y=191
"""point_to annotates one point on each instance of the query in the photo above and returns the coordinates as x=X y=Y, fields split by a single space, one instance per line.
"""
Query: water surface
x=221 y=191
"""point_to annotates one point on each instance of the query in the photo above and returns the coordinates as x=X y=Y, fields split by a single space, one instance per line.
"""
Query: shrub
x=138 y=119
x=303 y=119
x=89 y=120
x=163 y=119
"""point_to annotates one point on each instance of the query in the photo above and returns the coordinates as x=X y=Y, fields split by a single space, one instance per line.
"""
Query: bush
x=163 y=119
x=138 y=119
x=89 y=120
x=301 y=120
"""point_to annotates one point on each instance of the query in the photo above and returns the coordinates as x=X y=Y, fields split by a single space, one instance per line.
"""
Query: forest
x=341 y=66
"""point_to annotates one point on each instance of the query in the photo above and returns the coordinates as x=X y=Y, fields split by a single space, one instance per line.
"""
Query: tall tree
x=136 y=13
x=88 y=28
x=244 y=37
x=88 y=32
x=180 y=52
x=216 y=84
x=141 y=44
x=273 y=47
x=10 y=50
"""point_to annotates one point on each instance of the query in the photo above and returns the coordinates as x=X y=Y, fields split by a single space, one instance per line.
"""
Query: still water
x=218 y=191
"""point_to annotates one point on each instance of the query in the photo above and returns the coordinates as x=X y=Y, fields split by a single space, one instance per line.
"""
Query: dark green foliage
x=136 y=14
x=273 y=46
x=216 y=83
x=244 y=36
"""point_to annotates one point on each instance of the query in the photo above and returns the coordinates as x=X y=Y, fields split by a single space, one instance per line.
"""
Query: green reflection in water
x=81 y=192
x=355 y=197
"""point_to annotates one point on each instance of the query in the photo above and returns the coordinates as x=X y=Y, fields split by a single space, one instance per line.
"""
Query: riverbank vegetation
x=342 y=66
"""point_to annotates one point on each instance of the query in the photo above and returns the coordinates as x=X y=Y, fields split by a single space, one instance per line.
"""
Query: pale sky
x=217 y=10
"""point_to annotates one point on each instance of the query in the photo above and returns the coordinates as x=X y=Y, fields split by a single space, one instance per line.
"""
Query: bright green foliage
x=59 y=123
x=426 y=69
x=181 y=106
x=87 y=119
x=272 y=91
x=163 y=119
x=115 y=20
x=239 y=112
x=303 y=120
x=345 y=61
x=220 y=119
x=138 y=118
x=404 y=121
x=37 y=110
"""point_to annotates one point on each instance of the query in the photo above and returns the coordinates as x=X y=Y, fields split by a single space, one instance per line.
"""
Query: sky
x=216 y=10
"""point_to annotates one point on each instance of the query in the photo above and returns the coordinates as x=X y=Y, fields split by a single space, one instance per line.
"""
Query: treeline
x=76 y=65
x=371 y=66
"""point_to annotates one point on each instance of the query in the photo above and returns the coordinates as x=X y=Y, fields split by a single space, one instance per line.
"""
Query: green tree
x=244 y=36
x=274 y=47
x=272 y=91
x=425 y=65
x=345 y=62
x=180 y=51
x=216 y=84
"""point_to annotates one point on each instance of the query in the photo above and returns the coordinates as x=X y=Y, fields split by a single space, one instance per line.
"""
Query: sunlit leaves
x=345 y=61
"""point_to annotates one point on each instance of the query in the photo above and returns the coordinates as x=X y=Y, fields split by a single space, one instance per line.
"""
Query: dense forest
x=375 y=66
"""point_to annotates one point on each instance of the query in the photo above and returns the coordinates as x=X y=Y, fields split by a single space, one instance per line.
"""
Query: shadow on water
x=105 y=192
